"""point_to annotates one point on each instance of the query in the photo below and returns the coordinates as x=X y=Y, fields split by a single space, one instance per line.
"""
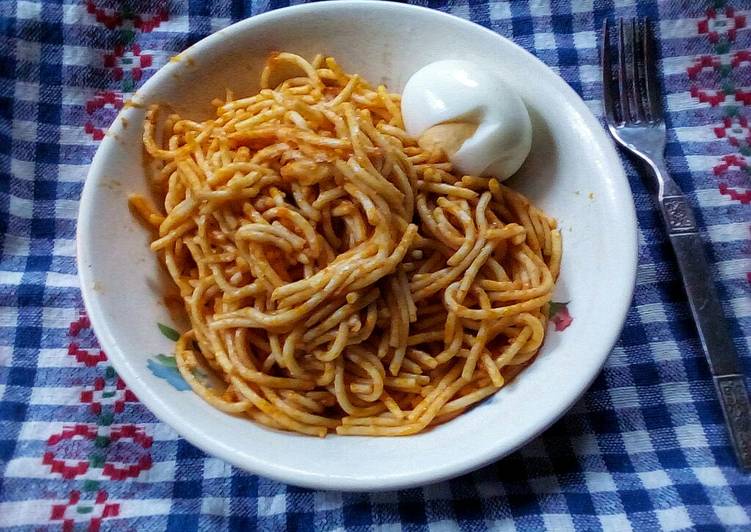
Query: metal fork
x=634 y=116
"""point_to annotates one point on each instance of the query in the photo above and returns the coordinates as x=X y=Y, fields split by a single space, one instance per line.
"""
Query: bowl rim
x=213 y=447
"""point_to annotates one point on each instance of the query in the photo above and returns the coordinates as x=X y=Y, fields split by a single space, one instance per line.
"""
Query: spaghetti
x=336 y=276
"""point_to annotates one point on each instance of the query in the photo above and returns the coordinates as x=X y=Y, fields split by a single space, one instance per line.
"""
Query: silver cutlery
x=633 y=112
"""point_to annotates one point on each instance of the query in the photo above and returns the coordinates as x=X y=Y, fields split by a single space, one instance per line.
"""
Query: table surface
x=645 y=448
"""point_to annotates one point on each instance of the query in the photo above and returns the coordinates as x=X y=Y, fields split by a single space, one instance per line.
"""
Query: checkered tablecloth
x=644 y=449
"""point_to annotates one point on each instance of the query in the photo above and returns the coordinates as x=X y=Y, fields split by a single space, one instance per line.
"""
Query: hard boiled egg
x=471 y=114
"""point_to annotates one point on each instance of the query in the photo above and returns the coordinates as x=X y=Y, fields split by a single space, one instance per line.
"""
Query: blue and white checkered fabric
x=644 y=449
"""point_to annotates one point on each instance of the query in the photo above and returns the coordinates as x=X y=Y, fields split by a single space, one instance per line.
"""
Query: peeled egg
x=471 y=114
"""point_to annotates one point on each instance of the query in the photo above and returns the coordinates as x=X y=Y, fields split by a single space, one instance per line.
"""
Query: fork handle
x=710 y=322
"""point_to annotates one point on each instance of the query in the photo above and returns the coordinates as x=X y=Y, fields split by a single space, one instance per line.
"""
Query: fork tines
x=630 y=94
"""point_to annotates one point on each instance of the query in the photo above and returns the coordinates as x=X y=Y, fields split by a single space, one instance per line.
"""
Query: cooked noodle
x=336 y=276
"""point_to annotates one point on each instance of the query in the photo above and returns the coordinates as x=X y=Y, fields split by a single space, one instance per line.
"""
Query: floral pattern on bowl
x=165 y=366
x=559 y=315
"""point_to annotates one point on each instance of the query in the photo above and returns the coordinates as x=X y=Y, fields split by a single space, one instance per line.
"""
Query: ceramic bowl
x=573 y=173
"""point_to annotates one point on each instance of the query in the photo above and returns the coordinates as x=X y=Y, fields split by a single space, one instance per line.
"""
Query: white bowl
x=573 y=173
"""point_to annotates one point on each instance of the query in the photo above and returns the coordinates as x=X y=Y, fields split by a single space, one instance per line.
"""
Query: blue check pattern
x=645 y=448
